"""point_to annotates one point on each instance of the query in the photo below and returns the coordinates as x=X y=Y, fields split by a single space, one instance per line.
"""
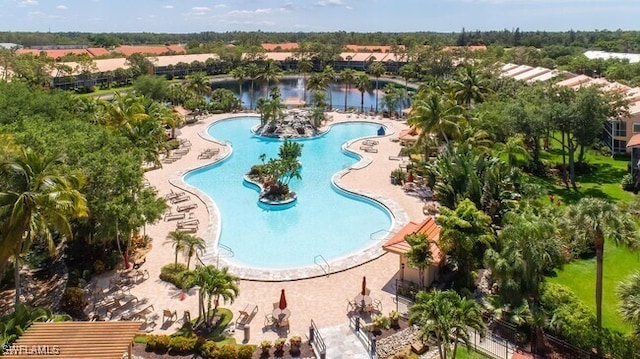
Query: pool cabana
x=399 y=245
x=71 y=340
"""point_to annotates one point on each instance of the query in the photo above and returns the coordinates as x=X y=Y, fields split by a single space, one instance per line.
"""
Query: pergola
x=71 y=340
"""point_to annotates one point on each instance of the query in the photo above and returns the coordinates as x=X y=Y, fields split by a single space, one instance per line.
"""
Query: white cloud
x=199 y=11
x=26 y=3
x=249 y=13
x=201 y=8
x=40 y=14
x=61 y=7
x=220 y=6
x=348 y=7
x=168 y=7
x=324 y=3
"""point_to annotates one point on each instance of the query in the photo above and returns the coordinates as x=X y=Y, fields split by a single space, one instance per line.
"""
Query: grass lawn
x=603 y=182
x=580 y=277
x=466 y=353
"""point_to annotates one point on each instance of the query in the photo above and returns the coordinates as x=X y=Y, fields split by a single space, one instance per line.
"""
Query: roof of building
x=575 y=81
x=612 y=55
x=285 y=46
x=516 y=71
x=527 y=75
x=399 y=245
x=634 y=141
x=371 y=48
x=162 y=61
x=153 y=50
x=470 y=48
x=102 y=340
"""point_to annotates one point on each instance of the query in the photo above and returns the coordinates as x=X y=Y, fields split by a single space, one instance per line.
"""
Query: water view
x=295 y=87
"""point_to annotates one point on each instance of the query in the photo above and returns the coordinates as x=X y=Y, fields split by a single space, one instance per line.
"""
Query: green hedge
x=178 y=275
x=184 y=345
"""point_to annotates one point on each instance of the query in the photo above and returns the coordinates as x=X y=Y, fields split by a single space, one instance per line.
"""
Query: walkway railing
x=355 y=323
x=324 y=262
x=316 y=340
x=224 y=252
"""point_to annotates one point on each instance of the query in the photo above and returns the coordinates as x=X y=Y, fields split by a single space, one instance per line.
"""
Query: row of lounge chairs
x=174 y=155
x=208 y=153
x=367 y=146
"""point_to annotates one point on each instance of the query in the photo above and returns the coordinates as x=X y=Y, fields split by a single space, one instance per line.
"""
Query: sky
x=189 y=16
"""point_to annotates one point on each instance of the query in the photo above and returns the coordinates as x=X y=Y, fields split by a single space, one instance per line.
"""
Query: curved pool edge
x=213 y=255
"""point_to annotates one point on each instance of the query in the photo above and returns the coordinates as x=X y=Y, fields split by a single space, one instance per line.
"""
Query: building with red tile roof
x=149 y=50
x=370 y=48
x=285 y=46
x=399 y=245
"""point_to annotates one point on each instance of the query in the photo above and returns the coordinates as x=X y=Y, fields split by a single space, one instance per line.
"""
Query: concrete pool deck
x=322 y=298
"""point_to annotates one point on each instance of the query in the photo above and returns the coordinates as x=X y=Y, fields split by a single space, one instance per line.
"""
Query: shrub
x=178 y=275
x=245 y=352
x=73 y=302
x=158 y=343
x=182 y=345
x=209 y=349
x=627 y=182
x=227 y=351
x=98 y=267
x=380 y=322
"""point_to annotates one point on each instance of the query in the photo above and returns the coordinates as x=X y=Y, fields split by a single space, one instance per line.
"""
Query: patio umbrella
x=283 y=301
x=364 y=285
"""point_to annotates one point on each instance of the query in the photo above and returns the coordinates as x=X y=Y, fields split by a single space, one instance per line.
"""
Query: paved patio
x=323 y=298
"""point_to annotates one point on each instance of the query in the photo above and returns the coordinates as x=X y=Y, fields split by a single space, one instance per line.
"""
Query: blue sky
x=184 y=16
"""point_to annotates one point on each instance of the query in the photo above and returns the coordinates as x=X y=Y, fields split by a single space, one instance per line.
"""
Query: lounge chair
x=369 y=142
x=141 y=275
x=246 y=315
x=174 y=216
x=173 y=195
x=187 y=207
x=189 y=222
x=169 y=315
x=371 y=150
x=187 y=229
x=180 y=199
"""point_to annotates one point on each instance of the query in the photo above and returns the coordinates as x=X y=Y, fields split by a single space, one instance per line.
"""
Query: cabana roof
x=70 y=340
x=399 y=245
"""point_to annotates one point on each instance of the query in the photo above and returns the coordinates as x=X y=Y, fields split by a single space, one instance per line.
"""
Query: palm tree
x=178 y=240
x=465 y=231
x=433 y=111
x=419 y=256
x=407 y=71
x=446 y=317
x=468 y=87
x=198 y=83
x=215 y=283
x=270 y=72
x=193 y=246
x=363 y=84
x=376 y=69
x=124 y=110
x=629 y=293
x=252 y=72
x=329 y=76
x=513 y=148
x=239 y=73
x=347 y=76
x=595 y=220
x=37 y=201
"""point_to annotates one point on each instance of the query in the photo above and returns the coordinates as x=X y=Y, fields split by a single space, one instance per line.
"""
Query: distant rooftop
x=612 y=55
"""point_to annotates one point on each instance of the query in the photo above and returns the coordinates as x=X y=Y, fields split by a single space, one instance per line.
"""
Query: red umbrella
x=283 y=301
x=364 y=285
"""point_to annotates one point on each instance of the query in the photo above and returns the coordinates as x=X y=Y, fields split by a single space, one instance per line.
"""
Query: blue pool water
x=324 y=221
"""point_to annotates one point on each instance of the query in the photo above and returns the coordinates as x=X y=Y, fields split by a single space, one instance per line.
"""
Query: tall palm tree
x=434 y=111
x=199 y=84
x=595 y=221
x=407 y=71
x=178 y=240
x=446 y=317
x=37 y=201
x=329 y=76
x=193 y=246
x=124 y=110
x=215 y=283
x=468 y=87
x=270 y=73
x=376 y=69
x=240 y=74
x=347 y=76
x=252 y=72
x=363 y=84
x=466 y=231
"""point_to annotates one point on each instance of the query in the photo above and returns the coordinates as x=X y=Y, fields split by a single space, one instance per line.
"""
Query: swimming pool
x=325 y=221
